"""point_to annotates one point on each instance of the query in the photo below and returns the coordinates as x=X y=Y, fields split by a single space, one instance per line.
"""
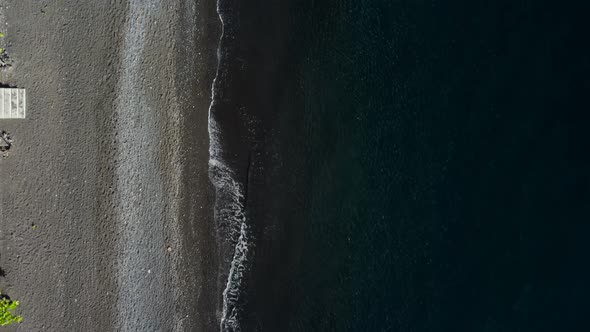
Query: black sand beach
x=367 y=165
x=71 y=254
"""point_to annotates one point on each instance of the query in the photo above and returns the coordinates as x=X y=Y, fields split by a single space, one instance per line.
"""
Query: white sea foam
x=229 y=211
x=230 y=217
x=230 y=320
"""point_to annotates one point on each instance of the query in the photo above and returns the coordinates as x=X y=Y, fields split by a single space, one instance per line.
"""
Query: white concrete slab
x=13 y=103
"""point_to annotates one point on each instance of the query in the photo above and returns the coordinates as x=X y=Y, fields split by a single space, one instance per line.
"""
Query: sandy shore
x=104 y=197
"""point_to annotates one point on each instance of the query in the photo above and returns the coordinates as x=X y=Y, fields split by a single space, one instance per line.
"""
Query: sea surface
x=388 y=165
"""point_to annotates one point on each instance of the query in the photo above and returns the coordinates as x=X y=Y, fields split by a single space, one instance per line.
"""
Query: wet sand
x=104 y=197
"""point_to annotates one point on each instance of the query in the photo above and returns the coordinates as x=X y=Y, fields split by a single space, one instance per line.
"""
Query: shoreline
x=199 y=261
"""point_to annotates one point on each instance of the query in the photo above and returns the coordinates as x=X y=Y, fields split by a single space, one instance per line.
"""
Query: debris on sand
x=5 y=141
x=5 y=60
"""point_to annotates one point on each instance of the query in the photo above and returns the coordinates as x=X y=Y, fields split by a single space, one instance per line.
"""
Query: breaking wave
x=230 y=217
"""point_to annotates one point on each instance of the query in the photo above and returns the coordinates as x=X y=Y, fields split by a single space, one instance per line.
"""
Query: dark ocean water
x=411 y=165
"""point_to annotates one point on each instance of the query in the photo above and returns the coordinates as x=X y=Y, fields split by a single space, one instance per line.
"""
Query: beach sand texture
x=104 y=196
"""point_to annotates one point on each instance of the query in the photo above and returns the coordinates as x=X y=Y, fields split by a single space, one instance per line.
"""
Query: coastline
x=256 y=165
x=199 y=263
x=228 y=172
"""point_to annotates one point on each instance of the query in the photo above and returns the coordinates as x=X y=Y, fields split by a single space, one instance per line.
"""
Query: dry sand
x=105 y=218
